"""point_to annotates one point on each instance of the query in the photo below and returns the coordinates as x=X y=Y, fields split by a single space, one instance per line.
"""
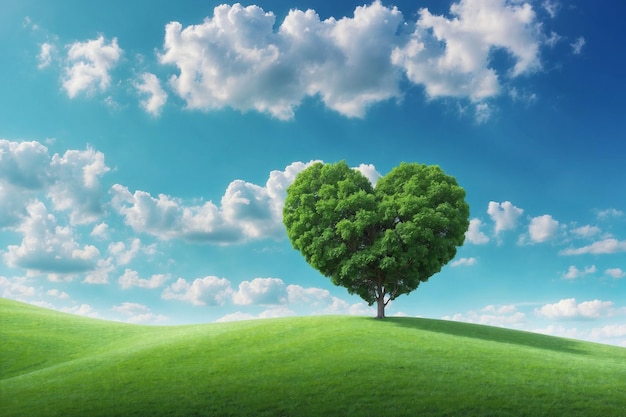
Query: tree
x=378 y=242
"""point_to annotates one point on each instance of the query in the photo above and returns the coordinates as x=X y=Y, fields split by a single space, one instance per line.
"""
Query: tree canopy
x=378 y=242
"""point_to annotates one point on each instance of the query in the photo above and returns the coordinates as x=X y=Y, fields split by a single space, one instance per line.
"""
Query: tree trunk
x=381 y=307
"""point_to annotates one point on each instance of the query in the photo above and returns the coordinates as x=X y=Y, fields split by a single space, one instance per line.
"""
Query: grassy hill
x=54 y=364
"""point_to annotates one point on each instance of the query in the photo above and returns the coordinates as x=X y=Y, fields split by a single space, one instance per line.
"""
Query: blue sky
x=145 y=149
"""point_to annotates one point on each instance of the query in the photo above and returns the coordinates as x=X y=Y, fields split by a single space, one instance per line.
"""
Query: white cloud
x=586 y=231
x=542 y=228
x=455 y=59
x=464 y=262
x=81 y=310
x=237 y=316
x=315 y=297
x=263 y=291
x=77 y=184
x=615 y=273
x=474 y=235
x=150 y=86
x=600 y=247
x=569 y=309
x=24 y=170
x=247 y=211
x=491 y=315
x=123 y=254
x=560 y=331
x=552 y=39
x=131 y=278
x=483 y=112
x=577 y=46
x=89 y=64
x=138 y=313
x=322 y=302
x=502 y=309
x=71 y=181
x=58 y=294
x=610 y=212
x=209 y=290
x=100 y=274
x=100 y=231
x=273 y=312
x=48 y=247
x=573 y=272
x=284 y=300
x=522 y=96
x=369 y=172
x=504 y=215
x=24 y=164
x=15 y=288
x=236 y=59
x=45 y=55
x=609 y=331
x=552 y=7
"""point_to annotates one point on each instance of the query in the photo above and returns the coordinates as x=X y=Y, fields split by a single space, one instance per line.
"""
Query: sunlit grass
x=52 y=364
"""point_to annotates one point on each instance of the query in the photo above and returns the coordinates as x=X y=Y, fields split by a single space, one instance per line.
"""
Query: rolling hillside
x=54 y=364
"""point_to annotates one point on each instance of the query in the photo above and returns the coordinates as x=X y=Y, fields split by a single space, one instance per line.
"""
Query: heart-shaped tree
x=377 y=242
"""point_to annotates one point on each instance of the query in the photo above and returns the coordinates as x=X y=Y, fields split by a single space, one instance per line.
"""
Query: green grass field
x=54 y=364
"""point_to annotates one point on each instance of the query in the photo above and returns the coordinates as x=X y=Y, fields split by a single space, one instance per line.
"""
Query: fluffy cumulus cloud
x=15 y=288
x=131 y=278
x=451 y=56
x=236 y=58
x=504 y=215
x=264 y=291
x=474 y=235
x=76 y=185
x=149 y=86
x=212 y=291
x=322 y=301
x=23 y=171
x=89 y=64
x=542 y=228
x=48 y=247
x=570 y=309
x=23 y=164
x=71 y=181
x=246 y=211
x=369 y=172
x=278 y=298
x=123 y=253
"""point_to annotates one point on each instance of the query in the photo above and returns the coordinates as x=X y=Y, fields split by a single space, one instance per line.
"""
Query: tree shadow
x=489 y=333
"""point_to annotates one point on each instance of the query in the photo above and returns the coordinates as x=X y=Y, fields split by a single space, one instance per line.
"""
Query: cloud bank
x=236 y=59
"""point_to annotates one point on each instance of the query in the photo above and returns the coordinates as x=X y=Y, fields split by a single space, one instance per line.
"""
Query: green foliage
x=306 y=366
x=377 y=242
